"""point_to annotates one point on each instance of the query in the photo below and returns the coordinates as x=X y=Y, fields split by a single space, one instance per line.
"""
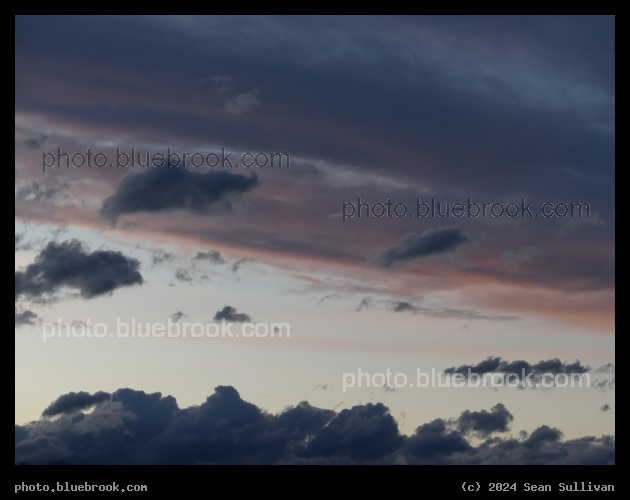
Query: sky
x=357 y=197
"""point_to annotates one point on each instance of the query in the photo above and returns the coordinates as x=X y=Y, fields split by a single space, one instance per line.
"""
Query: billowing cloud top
x=133 y=427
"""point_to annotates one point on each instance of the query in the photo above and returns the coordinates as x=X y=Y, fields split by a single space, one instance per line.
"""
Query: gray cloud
x=176 y=316
x=404 y=307
x=364 y=304
x=182 y=274
x=607 y=368
x=212 y=256
x=228 y=313
x=24 y=317
x=413 y=246
x=330 y=296
x=238 y=264
x=69 y=264
x=42 y=191
x=520 y=368
x=605 y=385
x=161 y=256
x=175 y=188
x=448 y=312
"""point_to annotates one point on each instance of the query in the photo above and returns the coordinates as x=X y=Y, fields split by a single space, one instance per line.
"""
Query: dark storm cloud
x=212 y=256
x=485 y=423
x=228 y=313
x=413 y=246
x=133 y=427
x=74 y=401
x=69 y=264
x=175 y=188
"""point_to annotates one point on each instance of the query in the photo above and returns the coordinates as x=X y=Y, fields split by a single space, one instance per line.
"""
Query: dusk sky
x=415 y=118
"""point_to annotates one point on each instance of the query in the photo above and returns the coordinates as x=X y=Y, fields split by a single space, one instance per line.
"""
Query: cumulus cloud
x=70 y=264
x=133 y=427
x=362 y=433
x=434 y=441
x=485 y=423
x=74 y=401
x=228 y=313
x=175 y=188
x=211 y=256
x=413 y=246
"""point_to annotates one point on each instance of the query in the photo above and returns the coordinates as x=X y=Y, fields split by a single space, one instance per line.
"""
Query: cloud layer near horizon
x=133 y=427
